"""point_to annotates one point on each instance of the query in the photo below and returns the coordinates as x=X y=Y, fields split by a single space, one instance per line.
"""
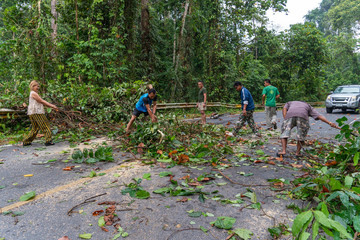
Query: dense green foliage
x=334 y=189
x=174 y=44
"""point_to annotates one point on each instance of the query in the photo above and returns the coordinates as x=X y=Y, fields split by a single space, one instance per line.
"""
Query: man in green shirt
x=201 y=103
x=271 y=93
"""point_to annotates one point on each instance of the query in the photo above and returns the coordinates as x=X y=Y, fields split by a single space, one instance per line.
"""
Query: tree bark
x=145 y=28
x=180 y=50
x=130 y=14
x=76 y=20
x=174 y=45
x=53 y=26
x=39 y=9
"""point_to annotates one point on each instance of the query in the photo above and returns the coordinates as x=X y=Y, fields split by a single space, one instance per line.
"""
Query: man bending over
x=143 y=107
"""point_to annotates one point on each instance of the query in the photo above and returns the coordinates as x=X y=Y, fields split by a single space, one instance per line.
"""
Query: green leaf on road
x=116 y=236
x=165 y=174
x=101 y=222
x=256 y=205
x=300 y=221
x=348 y=181
x=147 y=176
x=92 y=174
x=195 y=214
x=28 y=196
x=51 y=160
x=224 y=222
x=260 y=152
x=17 y=213
x=2 y=186
x=356 y=221
x=243 y=233
x=203 y=229
x=340 y=228
x=162 y=190
x=85 y=236
x=142 y=194
x=356 y=158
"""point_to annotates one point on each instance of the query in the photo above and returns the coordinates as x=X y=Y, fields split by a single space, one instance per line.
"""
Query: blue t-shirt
x=144 y=99
x=246 y=98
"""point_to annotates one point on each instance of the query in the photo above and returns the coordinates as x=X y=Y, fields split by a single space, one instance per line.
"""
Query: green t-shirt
x=270 y=92
x=201 y=94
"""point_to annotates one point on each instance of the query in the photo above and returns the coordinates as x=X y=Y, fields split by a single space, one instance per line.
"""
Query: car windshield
x=347 y=90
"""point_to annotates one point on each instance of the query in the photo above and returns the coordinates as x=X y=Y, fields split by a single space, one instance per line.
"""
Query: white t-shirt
x=34 y=106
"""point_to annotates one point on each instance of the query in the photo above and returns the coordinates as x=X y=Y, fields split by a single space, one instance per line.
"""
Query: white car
x=344 y=97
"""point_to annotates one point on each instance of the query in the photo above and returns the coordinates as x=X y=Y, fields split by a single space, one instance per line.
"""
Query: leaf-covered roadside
x=333 y=188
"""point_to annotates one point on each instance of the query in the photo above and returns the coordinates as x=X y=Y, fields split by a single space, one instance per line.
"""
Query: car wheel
x=329 y=110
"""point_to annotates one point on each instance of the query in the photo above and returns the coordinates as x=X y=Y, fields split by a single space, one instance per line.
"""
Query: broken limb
x=88 y=200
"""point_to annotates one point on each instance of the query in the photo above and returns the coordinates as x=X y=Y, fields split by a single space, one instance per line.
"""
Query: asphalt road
x=155 y=218
x=318 y=129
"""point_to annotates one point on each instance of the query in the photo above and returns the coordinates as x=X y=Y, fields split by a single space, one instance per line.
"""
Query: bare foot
x=281 y=153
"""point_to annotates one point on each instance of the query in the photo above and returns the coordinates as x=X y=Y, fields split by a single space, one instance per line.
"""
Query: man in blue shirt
x=248 y=107
x=143 y=107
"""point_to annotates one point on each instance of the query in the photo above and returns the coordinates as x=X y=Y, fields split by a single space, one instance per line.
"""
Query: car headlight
x=328 y=98
x=353 y=98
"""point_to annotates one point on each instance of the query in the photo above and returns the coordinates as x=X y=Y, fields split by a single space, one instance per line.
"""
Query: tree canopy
x=174 y=44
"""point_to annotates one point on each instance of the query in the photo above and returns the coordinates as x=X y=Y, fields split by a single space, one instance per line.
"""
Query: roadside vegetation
x=94 y=59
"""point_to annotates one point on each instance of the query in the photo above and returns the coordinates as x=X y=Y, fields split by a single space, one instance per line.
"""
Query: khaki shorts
x=301 y=124
x=201 y=106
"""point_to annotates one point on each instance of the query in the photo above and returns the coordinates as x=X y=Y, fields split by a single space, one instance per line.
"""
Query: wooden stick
x=85 y=202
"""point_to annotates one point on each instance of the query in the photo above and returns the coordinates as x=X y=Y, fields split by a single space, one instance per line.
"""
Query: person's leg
x=250 y=120
x=202 y=109
x=303 y=127
x=283 y=145
x=33 y=132
x=239 y=124
x=133 y=117
x=44 y=126
x=203 y=117
x=298 y=147
x=285 y=134
x=273 y=117
x=268 y=117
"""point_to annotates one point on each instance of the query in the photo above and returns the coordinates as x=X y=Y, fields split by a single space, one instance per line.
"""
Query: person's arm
x=284 y=111
x=244 y=109
x=154 y=107
x=204 y=98
x=277 y=96
x=152 y=116
x=322 y=118
x=263 y=99
x=42 y=101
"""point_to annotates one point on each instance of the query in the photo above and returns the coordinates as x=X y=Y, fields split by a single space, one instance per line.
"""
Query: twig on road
x=244 y=185
x=88 y=200
x=230 y=236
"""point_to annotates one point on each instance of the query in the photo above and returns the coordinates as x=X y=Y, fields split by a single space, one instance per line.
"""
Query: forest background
x=90 y=54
